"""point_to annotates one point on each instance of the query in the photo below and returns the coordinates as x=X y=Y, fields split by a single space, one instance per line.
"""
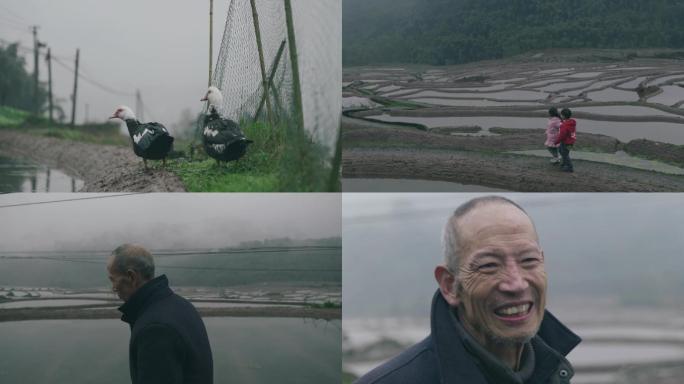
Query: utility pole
x=49 y=61
x=139 y=108
x=36 y=47
x=73 y=96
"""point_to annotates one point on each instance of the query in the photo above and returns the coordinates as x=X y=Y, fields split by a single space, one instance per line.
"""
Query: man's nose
x=513 y=280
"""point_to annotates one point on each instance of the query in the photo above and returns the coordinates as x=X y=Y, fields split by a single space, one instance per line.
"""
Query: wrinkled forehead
x=496 y=225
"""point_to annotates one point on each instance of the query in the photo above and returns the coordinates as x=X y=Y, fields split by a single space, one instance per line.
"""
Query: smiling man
x=169 y=343
x=488 y=321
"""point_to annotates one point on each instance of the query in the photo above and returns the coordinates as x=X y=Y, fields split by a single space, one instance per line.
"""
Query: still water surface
x=19 y=175
x=245 y=350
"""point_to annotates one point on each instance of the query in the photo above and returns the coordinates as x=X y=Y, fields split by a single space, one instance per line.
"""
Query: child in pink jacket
x=552 y=130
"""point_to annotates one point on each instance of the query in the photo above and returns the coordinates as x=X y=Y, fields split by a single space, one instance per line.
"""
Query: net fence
x=255 y=72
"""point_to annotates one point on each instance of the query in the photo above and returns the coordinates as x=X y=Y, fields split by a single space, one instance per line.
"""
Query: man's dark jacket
x=442 y=357
x=169 y=343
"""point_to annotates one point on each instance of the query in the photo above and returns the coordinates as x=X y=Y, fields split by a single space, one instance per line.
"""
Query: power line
x=233 y=269
x=16 y=15
x=93 y=82
x=66 y=200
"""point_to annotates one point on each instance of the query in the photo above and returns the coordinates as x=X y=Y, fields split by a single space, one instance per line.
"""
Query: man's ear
x=447 y=286
x=134 y=277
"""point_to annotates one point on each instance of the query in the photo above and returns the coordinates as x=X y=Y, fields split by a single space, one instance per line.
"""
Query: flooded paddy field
x=245 y=350
x=630 y=101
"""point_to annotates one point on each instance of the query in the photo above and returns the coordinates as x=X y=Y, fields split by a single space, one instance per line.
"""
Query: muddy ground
x=103 y=168
x=378 y=150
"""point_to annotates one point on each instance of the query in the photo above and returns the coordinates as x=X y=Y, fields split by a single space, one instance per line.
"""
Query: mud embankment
x=110 y=313
x=103 y=168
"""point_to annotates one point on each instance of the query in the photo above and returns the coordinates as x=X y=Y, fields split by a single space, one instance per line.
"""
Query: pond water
x=388 y=88
x=505 y=95
x=484 y=88
x=245 y=350
x=612 y=94
x=357 y=102
x=665 y=79
x=49 y=303
x=634 y=83
x=585 y=75
x=568 y=85
x=410 y=185
x=471 y=102
x=672 y=94
x=623 y=131
x=625 y=110
x=20 y=175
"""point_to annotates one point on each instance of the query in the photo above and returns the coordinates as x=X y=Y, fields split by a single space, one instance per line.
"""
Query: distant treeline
x=268 y=261
x=16 y=84
x=443 y=32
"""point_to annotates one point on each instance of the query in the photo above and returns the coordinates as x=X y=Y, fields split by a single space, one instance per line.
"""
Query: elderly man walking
x=169 y=342
x=488 y=323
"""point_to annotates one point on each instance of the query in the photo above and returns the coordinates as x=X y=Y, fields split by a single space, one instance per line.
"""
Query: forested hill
x=456 y=31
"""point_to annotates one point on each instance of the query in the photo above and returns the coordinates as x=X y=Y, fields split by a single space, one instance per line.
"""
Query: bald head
x=129 y=268
x=465 y=224
x=133 y=257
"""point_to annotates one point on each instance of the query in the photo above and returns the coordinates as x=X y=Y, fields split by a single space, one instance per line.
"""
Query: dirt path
x=511 y=172
x=103 y=168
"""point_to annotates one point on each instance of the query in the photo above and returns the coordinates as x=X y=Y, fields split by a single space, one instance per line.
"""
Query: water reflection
x=20 y=175
x=246 y=350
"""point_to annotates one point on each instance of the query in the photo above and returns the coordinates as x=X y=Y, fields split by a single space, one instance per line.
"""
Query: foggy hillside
x=456 y=31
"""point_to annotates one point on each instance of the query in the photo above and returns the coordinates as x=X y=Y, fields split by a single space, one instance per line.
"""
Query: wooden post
x=264 y=80
x=211 y=38
x=297 y=92
x=35 y=69
x=49 y=61
x=274 y=68
x=73 y=96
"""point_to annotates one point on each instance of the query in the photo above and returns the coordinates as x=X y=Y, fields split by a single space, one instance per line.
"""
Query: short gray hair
x=135 y=257
x=451 y=238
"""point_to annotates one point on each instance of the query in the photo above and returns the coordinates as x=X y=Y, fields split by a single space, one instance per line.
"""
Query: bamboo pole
x=274 y=68
x=211 y=38
x=264 y=80
x=297 y=92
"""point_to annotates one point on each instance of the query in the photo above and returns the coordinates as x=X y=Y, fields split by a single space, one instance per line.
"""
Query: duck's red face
x=118 y=114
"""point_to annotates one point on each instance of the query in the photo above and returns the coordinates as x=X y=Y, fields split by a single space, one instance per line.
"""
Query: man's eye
x=530 y=261
x=488 y=267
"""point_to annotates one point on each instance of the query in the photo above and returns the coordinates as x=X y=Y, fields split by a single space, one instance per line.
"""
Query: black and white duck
x=222 y=137
x=151 y=141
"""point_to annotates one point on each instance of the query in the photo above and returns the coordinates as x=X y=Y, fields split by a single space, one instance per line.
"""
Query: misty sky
x=164 y=221
x=626 y=245
x=160 y=47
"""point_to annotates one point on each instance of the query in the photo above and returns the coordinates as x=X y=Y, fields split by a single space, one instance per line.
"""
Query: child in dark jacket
x=566 y=139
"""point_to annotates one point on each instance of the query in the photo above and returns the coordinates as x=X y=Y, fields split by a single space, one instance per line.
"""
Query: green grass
x=282 y=158
x=207 y=176
x=11 y=117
